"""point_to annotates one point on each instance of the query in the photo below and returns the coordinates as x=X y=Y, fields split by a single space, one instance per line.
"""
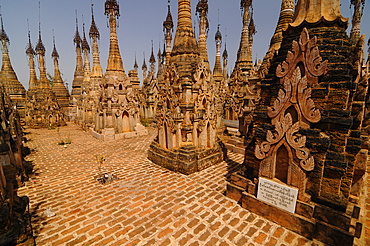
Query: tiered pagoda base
x=187 y=159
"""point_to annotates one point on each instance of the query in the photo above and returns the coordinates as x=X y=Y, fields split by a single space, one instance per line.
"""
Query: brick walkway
x=148 y=205
x=365 y=218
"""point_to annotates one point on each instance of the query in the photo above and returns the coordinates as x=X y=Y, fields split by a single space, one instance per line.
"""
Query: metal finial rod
x=1 y=17
x=40 y=17
x=92 y=9
x=218 y=16
x=76 y=20
x=83 y=24
x=53 y=37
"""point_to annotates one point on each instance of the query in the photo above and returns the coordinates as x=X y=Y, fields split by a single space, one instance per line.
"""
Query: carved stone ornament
x=294 y=109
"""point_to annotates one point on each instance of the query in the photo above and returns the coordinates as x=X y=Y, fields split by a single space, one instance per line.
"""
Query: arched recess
x=125 y=122
x=282 y=164
x=209 y=143
x=165 y=129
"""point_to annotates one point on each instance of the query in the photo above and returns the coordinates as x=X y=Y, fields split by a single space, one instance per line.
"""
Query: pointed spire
x=159 y=54
x=244 y=57
x=152 y=58
x=218 y=35
x=79 y=70
x=32 y=84
x=356 y=20
x=30 y=50
x=3 y=36
x=94 y=31
x=59 y=89
x=85 y=44
x=185 y=42
x=57 y=75
x=77 y=38
x=144 y=67
x=40 y=48
x=54 y=54
x=168 y=23
x=202 y=10
x=217 y=70
x=285 y=18
x=168 y=28
x=225 y=57
x=97 y=70
x=135 y=64
x=115 y=63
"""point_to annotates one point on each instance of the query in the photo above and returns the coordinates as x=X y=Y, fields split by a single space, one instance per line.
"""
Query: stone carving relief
x=292 y=110
x=168 y=106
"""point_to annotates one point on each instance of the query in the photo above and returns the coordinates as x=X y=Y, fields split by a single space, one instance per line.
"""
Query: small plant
x=103 y=178
x=100 y=159
x=65 y=141
x=144 y=121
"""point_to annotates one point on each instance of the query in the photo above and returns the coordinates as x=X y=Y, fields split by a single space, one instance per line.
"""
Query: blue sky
x=140 y=22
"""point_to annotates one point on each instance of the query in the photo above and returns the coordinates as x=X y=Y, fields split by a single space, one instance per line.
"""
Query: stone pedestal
x=186 y=159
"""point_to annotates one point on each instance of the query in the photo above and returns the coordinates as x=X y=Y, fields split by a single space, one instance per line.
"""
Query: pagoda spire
x=225 y=57
x=94 y=34
x=78 y=77
x=79 y=64
x=356 y=20
x=40 y=50
x=185 y=42
x=86 y=52
x=168 y=27
x=135 y=64
x=285 y=18
x=313 y=11
x=59 y=89
x=244 y=59
x=144 y=67
x=3 y=35
x=202 y=10
x=114 y=58
x=7 y=67
x=55 y=56
x=31 y=63
x=217 y=70
x=152 y=60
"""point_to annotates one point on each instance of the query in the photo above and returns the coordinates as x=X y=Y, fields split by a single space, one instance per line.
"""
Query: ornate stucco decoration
x=293 y=109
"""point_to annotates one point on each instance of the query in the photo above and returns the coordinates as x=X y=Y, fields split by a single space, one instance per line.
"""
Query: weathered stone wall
x=335 y=140
x=14 y=218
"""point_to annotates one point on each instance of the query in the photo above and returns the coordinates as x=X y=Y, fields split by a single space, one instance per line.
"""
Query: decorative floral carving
x=294 y=98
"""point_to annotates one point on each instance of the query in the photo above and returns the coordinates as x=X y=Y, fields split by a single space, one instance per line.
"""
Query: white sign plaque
x=279 y=195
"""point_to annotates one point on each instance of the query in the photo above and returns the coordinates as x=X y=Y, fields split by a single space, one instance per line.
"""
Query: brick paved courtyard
x=148 y=205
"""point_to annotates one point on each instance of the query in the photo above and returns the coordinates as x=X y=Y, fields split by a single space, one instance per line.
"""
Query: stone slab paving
x=148 y=205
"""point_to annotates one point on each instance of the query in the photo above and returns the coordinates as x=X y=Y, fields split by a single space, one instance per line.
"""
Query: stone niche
x=304 y=145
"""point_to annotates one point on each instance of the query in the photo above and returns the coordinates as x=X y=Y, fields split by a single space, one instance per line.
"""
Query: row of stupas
x=41 y=105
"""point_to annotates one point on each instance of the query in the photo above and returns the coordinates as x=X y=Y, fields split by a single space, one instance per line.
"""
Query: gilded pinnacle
x=94 y=31
x=30 y=50
x=3 y=35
